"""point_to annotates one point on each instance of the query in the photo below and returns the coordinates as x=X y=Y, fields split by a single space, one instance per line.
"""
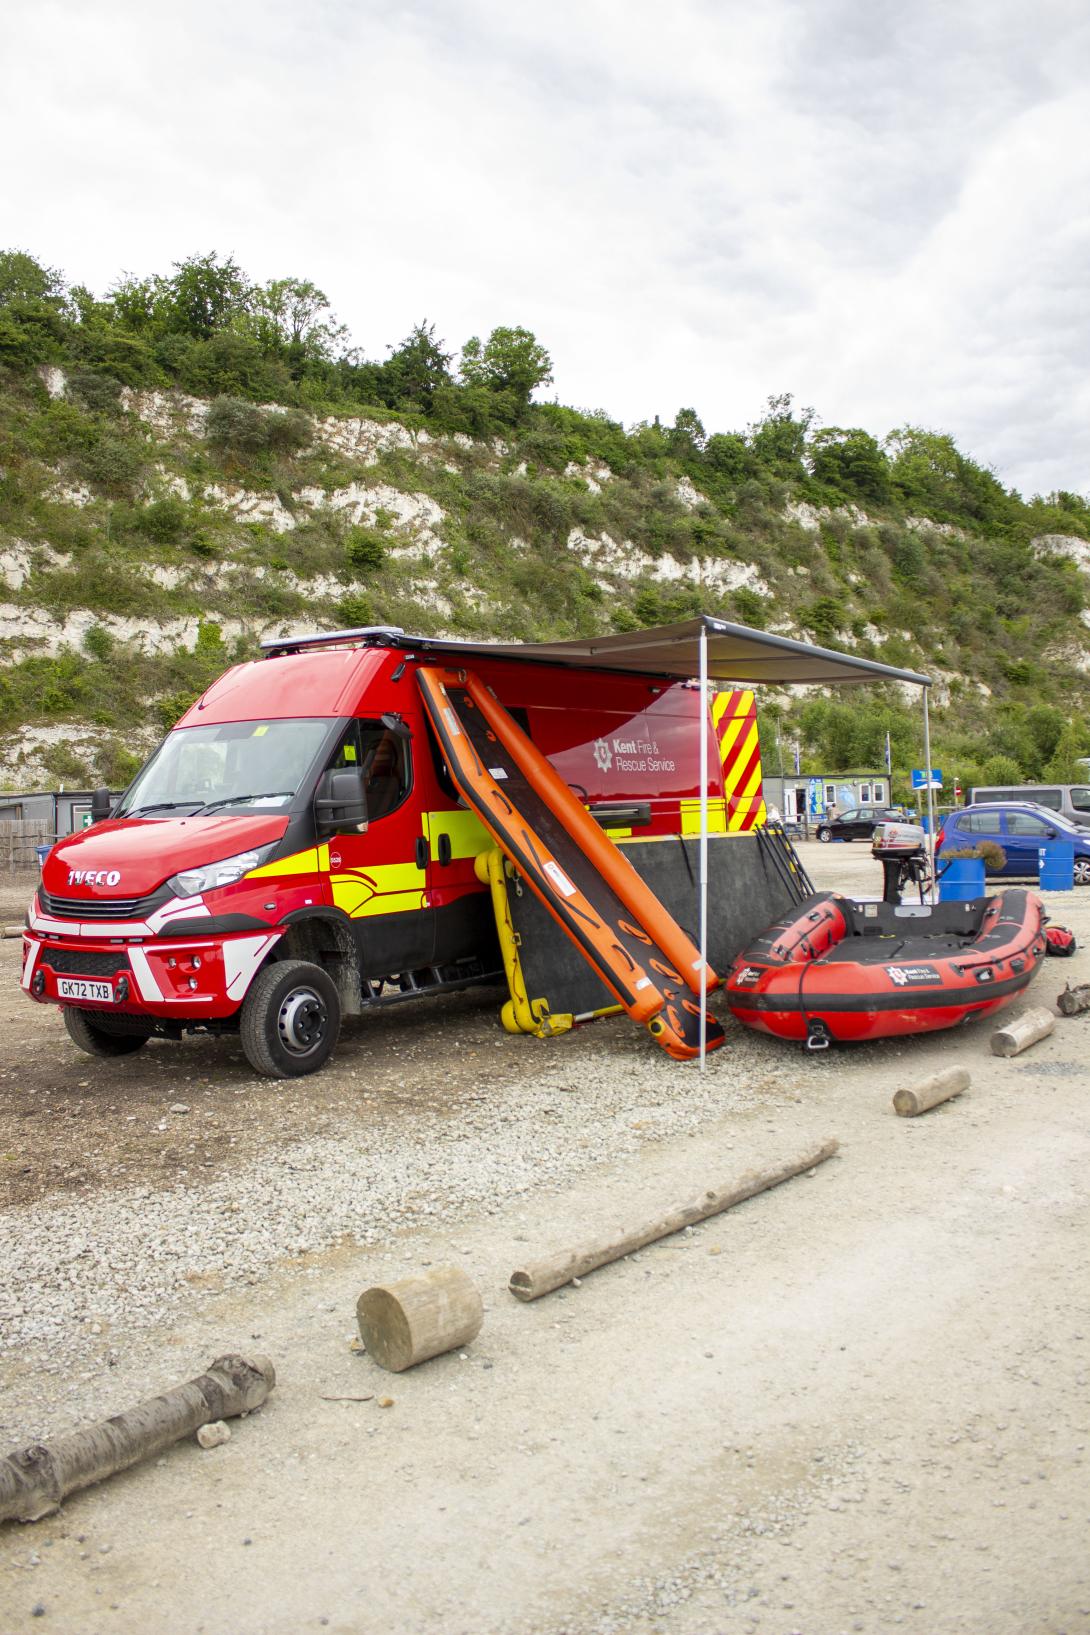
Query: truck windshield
x=235 y=763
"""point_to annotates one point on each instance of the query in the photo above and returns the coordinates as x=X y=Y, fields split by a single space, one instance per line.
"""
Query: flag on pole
x=889 y=754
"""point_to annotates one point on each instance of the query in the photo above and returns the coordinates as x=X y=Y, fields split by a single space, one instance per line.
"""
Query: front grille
x=80 y=962
x=102 y=908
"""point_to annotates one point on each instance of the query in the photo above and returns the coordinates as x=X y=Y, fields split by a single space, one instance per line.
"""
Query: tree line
x=209 y=329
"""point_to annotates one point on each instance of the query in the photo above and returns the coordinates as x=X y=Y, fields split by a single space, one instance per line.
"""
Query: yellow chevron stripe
x=746 y=816
x=734 y=773
x=315 y=860
x=752 y=786
x=733 y=728
x=387 y=888
x=730 y=704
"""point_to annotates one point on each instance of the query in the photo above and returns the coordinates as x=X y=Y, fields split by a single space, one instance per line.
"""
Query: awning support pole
x=930 y=793
x=703 y=847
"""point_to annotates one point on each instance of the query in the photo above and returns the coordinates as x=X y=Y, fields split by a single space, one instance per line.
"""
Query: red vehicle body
x=295 y=849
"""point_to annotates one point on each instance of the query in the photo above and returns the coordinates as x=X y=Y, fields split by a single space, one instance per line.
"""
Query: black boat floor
x=872 y=950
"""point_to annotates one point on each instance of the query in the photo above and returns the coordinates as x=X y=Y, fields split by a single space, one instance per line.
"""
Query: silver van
x=1071 y=799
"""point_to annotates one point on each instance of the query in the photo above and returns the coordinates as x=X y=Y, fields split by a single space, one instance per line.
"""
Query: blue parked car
x=1021 y=829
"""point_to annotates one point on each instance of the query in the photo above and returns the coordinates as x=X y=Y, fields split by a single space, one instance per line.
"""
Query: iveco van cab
x=295 y=850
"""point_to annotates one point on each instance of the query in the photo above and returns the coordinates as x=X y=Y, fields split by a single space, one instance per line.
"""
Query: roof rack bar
x=369 y=635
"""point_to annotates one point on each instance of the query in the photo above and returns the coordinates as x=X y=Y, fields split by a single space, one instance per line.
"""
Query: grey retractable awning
x=735 y=653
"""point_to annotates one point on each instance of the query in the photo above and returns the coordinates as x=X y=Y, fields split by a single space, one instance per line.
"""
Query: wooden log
x=1074 y=1000
x=1024 y=1031
x=930 y=1092
x=405 y=1323
x=553 y=1271
x=34 y=1481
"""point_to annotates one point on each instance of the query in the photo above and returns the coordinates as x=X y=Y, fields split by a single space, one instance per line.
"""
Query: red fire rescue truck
x=295 y=850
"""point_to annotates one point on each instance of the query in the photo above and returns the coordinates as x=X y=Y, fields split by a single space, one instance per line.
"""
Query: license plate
x=71 y=987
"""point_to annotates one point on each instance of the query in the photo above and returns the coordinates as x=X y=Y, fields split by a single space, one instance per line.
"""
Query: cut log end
x=34 y=1480
x=930 y=1092
x=405 y=1323
x=521 y=1285
x=1027 y=1029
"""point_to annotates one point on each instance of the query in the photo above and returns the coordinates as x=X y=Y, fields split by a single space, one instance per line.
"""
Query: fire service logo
x=909 y=976
x=603 y=755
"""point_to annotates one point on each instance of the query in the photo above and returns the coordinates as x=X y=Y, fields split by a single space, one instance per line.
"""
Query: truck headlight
x=191 y=882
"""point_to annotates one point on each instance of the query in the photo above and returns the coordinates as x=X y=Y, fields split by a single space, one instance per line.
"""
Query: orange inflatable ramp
x=589 y=887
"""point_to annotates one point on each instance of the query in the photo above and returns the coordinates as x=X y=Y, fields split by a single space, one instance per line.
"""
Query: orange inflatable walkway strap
x=612 y=864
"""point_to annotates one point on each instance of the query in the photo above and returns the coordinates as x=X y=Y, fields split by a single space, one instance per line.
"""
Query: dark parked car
x=859 y=824
x=1021 y=830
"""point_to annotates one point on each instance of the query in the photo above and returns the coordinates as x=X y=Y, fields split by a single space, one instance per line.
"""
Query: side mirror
x=395 y=724
x=100 y=805
x=341 y=802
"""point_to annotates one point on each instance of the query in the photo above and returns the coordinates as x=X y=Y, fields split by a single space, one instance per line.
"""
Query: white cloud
x=879 y=207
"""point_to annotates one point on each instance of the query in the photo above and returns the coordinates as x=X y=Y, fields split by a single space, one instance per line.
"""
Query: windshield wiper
x=156 y=806
x=241 y=800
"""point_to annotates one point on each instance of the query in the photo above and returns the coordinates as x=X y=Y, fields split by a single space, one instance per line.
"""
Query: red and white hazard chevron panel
x=735 y=718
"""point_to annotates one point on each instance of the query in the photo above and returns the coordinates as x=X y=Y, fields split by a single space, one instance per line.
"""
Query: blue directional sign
x=919 y=778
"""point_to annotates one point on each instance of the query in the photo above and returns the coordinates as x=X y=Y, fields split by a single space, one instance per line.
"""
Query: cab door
x=379 y=877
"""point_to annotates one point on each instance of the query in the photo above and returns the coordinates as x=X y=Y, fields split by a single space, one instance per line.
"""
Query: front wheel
x=290 y=1019
x=97 y=1041
x=824 y=833
x=1082 y=871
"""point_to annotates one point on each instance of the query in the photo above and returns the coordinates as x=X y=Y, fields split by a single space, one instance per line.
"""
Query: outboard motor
x=901 y=848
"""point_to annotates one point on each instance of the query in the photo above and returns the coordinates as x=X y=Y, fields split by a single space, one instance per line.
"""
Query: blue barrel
x=962 y=881
x=1057 y=865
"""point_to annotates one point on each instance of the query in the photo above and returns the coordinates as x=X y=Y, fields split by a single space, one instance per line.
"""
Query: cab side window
x=385 y=759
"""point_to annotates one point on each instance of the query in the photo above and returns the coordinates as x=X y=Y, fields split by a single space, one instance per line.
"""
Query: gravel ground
x=897 y=1354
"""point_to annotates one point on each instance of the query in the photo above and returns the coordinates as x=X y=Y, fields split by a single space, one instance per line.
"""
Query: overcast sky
x=882 y=208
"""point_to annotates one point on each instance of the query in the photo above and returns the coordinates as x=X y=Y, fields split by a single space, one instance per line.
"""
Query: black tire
x=290 y=1019
x=1082 y=871
x=824 y=833
x=95 y=1040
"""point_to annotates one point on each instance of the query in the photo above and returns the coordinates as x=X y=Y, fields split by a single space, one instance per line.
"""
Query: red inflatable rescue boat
x=839 y=971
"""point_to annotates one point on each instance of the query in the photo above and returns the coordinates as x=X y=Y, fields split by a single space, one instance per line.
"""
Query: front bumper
x=182 y=980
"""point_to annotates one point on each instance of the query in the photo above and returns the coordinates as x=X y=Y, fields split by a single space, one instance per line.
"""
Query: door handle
x=421 y=852
x=444 y=849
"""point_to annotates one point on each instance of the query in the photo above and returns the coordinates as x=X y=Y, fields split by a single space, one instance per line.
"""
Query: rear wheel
x=290 y=1019
x=824 y=833
x=97 y=1041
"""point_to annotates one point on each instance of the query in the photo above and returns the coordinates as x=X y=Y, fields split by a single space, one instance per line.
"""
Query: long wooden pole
x=34 y=1480
x=543 y=1276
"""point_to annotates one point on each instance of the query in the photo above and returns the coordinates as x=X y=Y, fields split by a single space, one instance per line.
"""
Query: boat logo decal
x=908 y=976
x=748 y=977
